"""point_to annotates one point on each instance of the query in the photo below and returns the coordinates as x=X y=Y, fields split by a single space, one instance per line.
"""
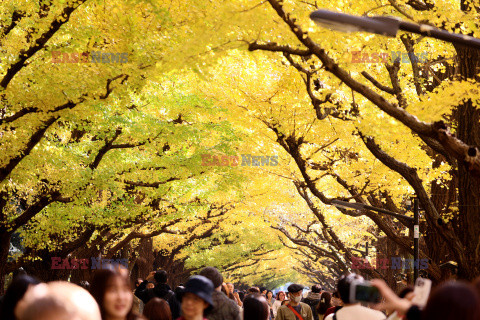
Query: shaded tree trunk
x=467 y=118
x=4 y=249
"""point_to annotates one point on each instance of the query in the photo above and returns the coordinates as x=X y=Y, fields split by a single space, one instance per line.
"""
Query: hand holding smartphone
x=421 y=291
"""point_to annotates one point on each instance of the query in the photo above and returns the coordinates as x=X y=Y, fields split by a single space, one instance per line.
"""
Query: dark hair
x=18 y=272
x=253 y=290
x=266 y=295
x=179 y=290
x=335 y=294
x=316 y=288
x=213 y=275
x=157 y=309
x=405 y=291
x=343 y=286
x=262 y=289
x=325 y=302
x=160 y=276
x=452 y=301
x=100 y=282
x=15 y=293
x=255 y=307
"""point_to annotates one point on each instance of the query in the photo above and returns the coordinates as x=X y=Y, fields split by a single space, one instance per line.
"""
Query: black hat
x=295 y=288
x=200 y=286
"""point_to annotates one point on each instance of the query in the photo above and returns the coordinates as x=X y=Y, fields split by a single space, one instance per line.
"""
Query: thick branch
x=32 y=142
x=24 y=55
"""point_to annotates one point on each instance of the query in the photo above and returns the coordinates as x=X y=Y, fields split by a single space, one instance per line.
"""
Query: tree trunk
x=144 y=262
x=467 y=119
x=4 y=249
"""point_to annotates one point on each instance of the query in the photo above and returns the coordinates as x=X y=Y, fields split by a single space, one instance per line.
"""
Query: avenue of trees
x=107 y=159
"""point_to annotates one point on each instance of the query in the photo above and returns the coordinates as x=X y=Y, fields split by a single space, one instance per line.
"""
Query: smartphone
x=421 y=291
x=363 y=291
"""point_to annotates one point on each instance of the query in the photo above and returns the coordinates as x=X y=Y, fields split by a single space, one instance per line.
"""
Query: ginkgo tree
x=275 y=103
x=395 y=92
x=79 y=137
x=113 y=150
x=330 y=84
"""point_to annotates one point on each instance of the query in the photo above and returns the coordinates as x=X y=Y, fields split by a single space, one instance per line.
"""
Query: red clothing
x=331 y=310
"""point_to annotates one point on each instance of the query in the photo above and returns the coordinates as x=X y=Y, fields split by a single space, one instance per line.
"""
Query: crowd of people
x=207 y=296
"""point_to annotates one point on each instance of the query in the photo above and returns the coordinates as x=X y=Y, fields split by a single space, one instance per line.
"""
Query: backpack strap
x=295 y=312
x=335 y=313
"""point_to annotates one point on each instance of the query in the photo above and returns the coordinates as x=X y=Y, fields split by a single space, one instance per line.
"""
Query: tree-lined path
x=179 y=135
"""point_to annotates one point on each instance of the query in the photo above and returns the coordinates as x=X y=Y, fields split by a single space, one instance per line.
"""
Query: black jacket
x=162 y=291
x=312 y=300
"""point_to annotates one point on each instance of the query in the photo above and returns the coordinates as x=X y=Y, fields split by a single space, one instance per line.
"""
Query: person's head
x=160 y=277
x=405 y=291
x=179 y=290
x=317 y=288
x=336 y=300
x=150 y=285
x=58 y=300
x=295 y=293
x=157 y=309
x=263 y=290
x=213 y=275
x=452 y=300
x=325 y=302
x=231 y=287
x=138 y=282
x=196 y=299
x=14 y=294
x=343 y=286
x=269 y=294
x=18 y=272
x=255 y=307
x=280 y=295
x=253 y=290
x=111 y=289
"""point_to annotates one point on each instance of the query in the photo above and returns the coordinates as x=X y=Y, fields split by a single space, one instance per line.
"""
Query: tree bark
x=4 y=249
x=467 y=118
